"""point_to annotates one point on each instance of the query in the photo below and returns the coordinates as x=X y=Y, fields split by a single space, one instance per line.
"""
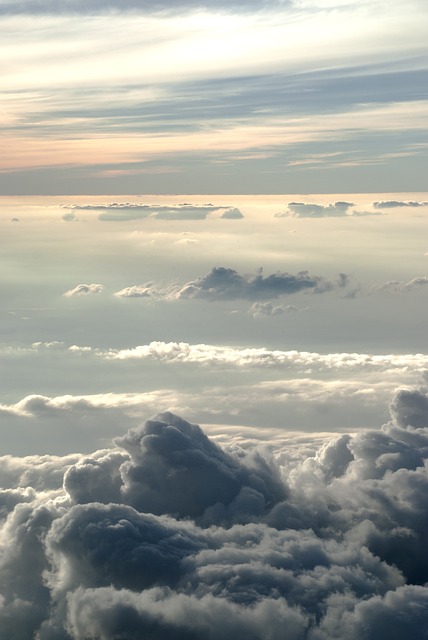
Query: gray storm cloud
x=166 y=535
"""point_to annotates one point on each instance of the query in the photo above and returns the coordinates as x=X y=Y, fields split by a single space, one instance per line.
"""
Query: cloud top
x=167 y=535
x=83 y=290
x=134 y=211
x=223 y=283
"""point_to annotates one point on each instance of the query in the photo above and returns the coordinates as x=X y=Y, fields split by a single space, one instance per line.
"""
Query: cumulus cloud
x=306 y=210
x=392 y=204
x=135 y=211
x=83 y=290
x=167 y=535
x=136 y=291
x=232 y=214
x=223 y=283
x=395 y=286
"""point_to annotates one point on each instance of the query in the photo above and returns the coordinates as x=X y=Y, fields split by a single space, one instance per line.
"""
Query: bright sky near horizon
x=213 y=214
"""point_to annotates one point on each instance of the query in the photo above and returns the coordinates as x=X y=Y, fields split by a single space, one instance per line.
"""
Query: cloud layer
x=167 y=535
x=135 y=211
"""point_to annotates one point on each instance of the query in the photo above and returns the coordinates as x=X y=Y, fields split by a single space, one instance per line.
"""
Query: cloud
x=392 y=204
x=134 y=211
x=232 y=214
x=69 y=217
x=83 y=290
x=395 y=286
x=223 y=283
x=263 y=309
x=137 y=291
x=168 y=535
x=304 y=210
x=113 y=6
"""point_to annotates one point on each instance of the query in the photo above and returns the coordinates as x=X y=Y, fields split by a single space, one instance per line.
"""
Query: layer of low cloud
x=212 y=355
x=393 y=204
x=111 y=6
x=167 y=535
x=135 y=211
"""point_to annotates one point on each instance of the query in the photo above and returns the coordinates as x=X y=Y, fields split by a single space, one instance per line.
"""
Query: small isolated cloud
x=83 y=290
x=14 y=220
x=304 y=210
x=69 y=217
x=392 y=204
x=266 y=309
x=136 y=211
x=223 y=283
x=232 y=214
x=396 y=286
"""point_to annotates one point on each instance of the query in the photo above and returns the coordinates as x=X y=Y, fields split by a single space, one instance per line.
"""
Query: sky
x=310 y=96
x=214 y=288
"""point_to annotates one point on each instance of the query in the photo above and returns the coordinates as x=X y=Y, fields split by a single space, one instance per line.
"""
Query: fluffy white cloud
x=83 y=290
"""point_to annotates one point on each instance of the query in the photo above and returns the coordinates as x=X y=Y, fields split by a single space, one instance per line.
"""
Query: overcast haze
x=214 y=285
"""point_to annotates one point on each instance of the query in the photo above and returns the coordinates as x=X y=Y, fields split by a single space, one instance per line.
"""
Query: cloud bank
x=167 y=535
x=134 y=211
x=393 y=204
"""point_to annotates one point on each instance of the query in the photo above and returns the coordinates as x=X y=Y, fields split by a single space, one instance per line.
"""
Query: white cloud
x=83 y=290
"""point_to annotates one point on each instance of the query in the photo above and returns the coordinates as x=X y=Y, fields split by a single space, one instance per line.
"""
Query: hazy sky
x=213 y=215
x=255 y=97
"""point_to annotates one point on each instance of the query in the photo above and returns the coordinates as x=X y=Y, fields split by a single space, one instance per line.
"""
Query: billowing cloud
x=135 y=211
x=136 y=291
x=305 y=210
x=223 y=283
x=83 y=290
x=167 y=535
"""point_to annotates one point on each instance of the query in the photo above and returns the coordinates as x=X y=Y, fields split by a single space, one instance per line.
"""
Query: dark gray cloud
x=223 y=283
x=393 y=204
x=169 y=536
x=134 y=211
